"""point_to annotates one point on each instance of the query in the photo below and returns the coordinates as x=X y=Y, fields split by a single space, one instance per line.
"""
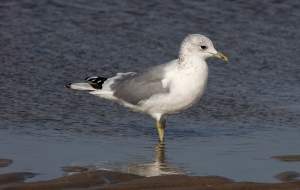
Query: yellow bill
x=220 y=55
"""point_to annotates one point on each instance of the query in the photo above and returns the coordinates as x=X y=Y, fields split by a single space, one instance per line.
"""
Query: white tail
x=80 y=86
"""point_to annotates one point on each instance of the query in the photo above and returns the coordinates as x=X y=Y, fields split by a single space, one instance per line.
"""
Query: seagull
x=165 y=89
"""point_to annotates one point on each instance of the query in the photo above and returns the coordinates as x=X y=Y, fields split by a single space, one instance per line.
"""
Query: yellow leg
x=158 y=125
x=161 y=129
x=163 y=122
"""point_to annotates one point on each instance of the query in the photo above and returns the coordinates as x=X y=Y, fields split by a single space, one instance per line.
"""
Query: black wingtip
x=68 y=86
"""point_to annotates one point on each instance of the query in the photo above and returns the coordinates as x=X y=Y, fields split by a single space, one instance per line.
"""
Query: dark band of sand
x=93 y=180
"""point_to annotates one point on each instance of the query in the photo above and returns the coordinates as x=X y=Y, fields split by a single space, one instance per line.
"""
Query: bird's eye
x=203 y=47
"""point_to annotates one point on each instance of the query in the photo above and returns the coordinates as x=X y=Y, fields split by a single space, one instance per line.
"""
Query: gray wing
x=141 y=86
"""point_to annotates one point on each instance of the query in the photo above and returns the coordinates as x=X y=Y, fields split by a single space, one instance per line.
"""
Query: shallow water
x=250 y=110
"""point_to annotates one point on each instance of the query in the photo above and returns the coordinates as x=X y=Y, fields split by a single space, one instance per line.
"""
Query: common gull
x=165 y=89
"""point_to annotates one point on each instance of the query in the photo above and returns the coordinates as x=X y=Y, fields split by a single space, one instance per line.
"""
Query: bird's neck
x=191 y=62
x=189 y=56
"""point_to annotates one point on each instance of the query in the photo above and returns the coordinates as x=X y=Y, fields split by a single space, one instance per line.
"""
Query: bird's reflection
x=160 y=166
x=160 y=153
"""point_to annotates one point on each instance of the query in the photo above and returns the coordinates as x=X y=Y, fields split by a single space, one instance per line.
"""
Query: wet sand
x=100 y=179
x=115 y=180
x=5 y=162
x=288 y=158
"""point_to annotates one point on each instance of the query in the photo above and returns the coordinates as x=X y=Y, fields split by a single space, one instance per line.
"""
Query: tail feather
x=95 y=84
x=80 y=86
x=96 y=80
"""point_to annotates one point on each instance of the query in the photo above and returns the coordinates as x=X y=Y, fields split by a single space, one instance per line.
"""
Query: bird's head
x=197 y=45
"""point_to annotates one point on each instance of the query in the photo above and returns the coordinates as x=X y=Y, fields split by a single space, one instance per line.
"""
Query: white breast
x=186 y=88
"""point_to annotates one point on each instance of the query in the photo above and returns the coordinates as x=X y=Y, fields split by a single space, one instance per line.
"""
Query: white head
x=197 y=46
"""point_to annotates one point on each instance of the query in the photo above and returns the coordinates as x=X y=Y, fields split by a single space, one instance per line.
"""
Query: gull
x=165 y=89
